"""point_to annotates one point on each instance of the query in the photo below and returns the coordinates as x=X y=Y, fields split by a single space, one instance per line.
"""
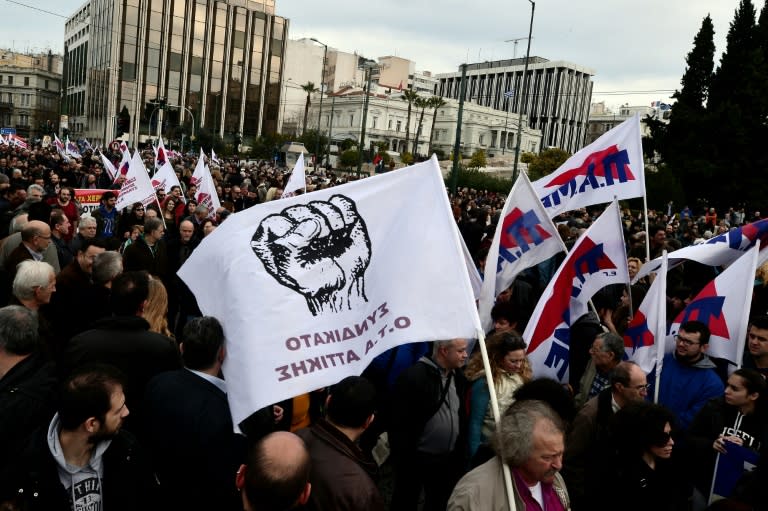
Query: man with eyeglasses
x=35 y=238
x=588 y=447
x=688 y=377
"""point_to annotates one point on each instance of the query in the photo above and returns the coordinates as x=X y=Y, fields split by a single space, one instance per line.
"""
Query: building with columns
x=482 y=127
x=215 y=64
x=558 y=100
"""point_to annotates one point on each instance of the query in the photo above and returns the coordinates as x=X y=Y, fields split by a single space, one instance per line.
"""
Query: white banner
x=165 y=178
x=310 y=289
x=298 y=179
x=611 y=166
x=206 y=191
x=137 y=186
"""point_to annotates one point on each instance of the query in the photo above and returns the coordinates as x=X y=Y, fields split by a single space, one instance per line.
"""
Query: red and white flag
x=161 y=155
x=72 y=149
x=598 y=259
x=165 y=178
x=611 y=166
x=108 y=166
x=17 y=141
x=332 y=261
x=723 y=305
x=214 y=158
x=524 y=237
x=137 y=186
x=645 y=337
x=2 y=140
x=297 y=180
x=206 y=191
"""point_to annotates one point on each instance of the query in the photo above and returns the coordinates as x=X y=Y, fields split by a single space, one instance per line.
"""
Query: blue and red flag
x=598 y=259
x=611 y=166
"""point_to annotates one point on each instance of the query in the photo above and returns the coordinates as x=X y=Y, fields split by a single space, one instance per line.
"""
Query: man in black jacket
x=188 y=425
x=27 y=380
x=428 y=420
x=83 y=459
x=124 y=341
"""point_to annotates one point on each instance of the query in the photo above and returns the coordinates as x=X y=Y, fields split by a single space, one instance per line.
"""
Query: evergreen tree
x=737 y=108
x=685 y=143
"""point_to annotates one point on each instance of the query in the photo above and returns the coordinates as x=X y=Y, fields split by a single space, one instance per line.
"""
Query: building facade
x=558 y=100
x=30 y=92
x=207 y=64
x=482 y=127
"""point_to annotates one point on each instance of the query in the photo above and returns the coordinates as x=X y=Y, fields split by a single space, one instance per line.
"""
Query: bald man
x=35 y=238
x=12 y=242
x=276 y=475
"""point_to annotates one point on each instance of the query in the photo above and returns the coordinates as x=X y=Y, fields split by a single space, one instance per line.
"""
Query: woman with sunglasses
x=127 y=221
x=644 y=475
x=739 y=417
x=509 y=370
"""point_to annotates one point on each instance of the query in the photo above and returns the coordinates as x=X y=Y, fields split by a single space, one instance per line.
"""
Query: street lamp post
x=320 y=110
x=369 y=66
x=330 y=128
x=457 y=143
x=524 y=98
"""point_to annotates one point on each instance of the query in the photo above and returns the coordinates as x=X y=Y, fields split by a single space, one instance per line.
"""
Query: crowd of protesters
x=112 y=394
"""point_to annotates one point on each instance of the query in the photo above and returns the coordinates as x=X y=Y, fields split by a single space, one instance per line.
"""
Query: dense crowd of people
x=112 y=394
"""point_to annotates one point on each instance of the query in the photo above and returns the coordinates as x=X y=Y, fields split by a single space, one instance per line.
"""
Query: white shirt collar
x=221 y=384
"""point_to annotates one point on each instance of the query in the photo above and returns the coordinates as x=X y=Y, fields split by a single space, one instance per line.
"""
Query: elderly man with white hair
x=34 y=284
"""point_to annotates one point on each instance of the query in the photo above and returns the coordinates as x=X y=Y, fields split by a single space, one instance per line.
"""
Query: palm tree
x=422 y=103
x=410 y=96
x=309 y=88
x=436 y=102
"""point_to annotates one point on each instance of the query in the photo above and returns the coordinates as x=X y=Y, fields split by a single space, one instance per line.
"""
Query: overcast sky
x=632 y=46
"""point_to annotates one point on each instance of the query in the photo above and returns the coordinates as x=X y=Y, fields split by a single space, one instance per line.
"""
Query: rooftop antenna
x=515 y=41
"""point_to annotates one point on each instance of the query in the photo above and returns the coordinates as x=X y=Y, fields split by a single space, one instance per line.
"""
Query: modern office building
x=218 y=63
x=29 y=92
x=557 y=103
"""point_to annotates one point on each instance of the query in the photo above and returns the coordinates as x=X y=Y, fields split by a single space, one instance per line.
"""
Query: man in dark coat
x=188 y=426
x=27 y=381
x=124 y=341
x=428 y=421
x=342 y=475
x=74 y=286
x=148 y=252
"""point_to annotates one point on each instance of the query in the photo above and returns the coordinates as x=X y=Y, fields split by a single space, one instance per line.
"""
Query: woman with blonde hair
x=156 y=310
x=510 y=369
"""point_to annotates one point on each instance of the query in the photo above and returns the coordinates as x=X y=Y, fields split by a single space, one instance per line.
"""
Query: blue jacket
x=686 y=389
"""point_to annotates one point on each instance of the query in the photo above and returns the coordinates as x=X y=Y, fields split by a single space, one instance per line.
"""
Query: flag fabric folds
x=723 y=305
x=524 y=237
x=721 y=250
x=72 y=149
x=598 y=259
x=108 y=167
x=311 y=288
x=645 y=337
x=137 y=186
x=611 y=166
x=206 y=191
x=161 y=155
x=165 y=178
x=17 y=141
x=298 y=179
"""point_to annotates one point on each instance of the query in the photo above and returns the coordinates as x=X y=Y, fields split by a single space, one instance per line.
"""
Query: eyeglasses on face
x=687 y=342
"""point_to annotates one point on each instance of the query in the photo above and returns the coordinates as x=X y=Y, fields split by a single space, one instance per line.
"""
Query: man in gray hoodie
x=84 y=461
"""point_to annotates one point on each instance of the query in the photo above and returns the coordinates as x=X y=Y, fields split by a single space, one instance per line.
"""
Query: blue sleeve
x=711 y=389
x=478 y=407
